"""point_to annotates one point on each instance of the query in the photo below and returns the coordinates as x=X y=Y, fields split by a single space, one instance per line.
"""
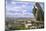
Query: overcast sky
x=19 y=9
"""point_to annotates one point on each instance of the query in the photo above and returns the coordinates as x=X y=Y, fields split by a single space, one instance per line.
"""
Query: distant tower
x=34 y=10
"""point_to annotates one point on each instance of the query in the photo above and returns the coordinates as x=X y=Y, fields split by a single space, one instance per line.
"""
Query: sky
x=19 y=9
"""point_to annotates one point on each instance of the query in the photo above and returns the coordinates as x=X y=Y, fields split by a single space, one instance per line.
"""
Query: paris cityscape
x=24 y=15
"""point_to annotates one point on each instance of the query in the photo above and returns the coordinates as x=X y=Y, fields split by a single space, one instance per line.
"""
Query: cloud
x=23 y=5
x=19 y=9
x=13 y=2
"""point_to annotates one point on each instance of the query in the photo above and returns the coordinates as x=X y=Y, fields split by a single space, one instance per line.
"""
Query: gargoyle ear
x=38 y=5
